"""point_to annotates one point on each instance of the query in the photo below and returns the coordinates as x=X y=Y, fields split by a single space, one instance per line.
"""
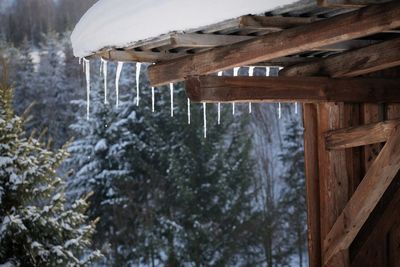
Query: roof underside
x=179 y=44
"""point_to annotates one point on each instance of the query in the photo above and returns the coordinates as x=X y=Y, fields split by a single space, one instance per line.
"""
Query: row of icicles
x=103 y=71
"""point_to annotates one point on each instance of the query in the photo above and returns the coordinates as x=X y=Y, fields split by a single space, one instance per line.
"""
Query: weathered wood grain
x=365 y=198
x=360 y=135
x=291 y=89
x=363 y=22
x=352 y=63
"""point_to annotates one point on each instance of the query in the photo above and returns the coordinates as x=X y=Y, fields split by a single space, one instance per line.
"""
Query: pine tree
x=36 y=226
x=293 y=200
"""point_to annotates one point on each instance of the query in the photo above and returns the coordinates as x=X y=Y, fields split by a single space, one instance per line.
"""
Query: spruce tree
x=173 y=196
x=37 y=228
x=293 y=199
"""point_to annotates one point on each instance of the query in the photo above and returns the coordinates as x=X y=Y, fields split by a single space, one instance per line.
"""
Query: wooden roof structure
x=339 y=58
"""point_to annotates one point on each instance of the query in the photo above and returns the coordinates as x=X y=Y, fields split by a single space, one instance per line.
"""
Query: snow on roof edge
x=110 y=24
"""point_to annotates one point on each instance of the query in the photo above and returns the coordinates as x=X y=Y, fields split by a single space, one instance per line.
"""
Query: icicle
x=279 y=110
x=251 y=73
x=171 y=88
x=87 y=72
x=152 y=99
x=80 y=61
x=118 y=75
x=205 y=119
x=138 y=66
x=235 y=73
x=104 y=63
x=219 y=113
x=188 y=110
x=296 y=108
x=83 y=65
x=220 y=73
x=267 y=71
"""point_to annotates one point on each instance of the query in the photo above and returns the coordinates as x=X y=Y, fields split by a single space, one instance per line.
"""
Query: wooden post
x=310 y=122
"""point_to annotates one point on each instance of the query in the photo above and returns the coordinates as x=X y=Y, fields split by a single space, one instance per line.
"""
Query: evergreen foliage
x=293 y=198
x=36 y=226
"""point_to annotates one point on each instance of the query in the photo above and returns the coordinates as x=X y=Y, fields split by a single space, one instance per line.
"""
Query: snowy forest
x=129 y=185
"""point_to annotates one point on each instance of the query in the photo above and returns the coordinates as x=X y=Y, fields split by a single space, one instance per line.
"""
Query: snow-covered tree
x=164 y=193
x=37 y=228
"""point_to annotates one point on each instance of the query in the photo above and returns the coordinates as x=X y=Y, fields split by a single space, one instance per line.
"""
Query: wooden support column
x=310 y=122
x=333 y=176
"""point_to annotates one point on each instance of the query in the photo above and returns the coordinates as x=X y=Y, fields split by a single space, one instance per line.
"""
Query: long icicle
x=251 y=74
x=205 y=119
x=104 y=62
x=87 y=73
x=296 y=108
x=279 y=104
x=188 y=110
x=152 y=99
x=138 y=67
x=220 y=73
x=171 y=88
x=118 y=75
x=235 y=73
x=219 y=113
x=279 y=110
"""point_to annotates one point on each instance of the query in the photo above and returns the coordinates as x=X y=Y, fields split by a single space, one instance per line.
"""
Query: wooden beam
x=349 y=3
x=360 y=135
x=365 y=198
x=352 y=63
x=141 y=56
x=291 y=89
x=363 y=22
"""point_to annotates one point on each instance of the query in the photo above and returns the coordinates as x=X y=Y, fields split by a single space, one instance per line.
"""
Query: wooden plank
x=363 y=22
x=333 y=176
x=196 y=40
x=138 y=56
x=273 y=23
x=291 y=89
x=350 y=3
x=365 y=198
x=312 y=184
x=360 y=135
x=351 y=117
x=353 y=63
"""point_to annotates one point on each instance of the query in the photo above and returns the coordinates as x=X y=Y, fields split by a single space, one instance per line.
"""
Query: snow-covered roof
x=121 y=23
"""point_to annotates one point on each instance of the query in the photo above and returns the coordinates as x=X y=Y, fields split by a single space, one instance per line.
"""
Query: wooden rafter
x=142 y=56
x=360 y=135
x=349 y=3
x=363 y=22
x=291 y=89
x=365 y=198
x=352 y=63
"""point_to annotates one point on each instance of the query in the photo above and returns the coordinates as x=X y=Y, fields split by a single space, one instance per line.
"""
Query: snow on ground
x=119 y=23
